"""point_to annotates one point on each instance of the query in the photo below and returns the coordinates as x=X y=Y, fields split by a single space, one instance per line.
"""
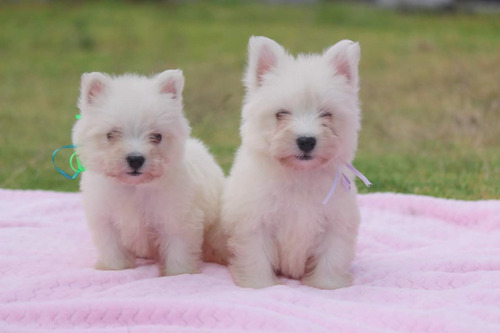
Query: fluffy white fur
x=161 y=208
x=272 y=205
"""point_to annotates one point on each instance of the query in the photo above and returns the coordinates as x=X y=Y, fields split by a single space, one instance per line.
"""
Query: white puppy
x=148 y=189
x=300 y=123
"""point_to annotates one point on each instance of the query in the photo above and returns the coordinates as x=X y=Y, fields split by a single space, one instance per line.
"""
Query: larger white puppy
x=148 y=189
x=300 y=124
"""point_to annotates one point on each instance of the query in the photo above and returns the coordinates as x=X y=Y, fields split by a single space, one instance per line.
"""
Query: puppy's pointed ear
x=264 y=55
x=171 y=82
x=93 y=87
x=344 y=58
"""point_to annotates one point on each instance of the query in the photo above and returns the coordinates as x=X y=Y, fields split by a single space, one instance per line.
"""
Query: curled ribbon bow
x=344 y=180
x=77 y=169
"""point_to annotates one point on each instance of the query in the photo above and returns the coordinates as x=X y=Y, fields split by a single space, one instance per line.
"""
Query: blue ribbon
x=79 y=169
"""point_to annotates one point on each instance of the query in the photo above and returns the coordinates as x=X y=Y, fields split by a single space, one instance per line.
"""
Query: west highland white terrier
x=299 y=131
x=148 y=190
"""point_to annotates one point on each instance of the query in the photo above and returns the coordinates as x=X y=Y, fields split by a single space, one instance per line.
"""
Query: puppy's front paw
x=255 y=282
x=115 y=264
x=337 y=281
x=171 y=271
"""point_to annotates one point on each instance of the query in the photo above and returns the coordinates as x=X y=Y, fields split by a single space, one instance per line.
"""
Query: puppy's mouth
x=304 y=157
x=134 y=173
x=303 y=161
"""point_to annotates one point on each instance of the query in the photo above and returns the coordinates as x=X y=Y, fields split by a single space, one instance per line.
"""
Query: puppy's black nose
x=306 y=143
x=135 y=161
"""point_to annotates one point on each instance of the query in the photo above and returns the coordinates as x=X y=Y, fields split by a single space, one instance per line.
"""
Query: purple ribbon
x=344 y=180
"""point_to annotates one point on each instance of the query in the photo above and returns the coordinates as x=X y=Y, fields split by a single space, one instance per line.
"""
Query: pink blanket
x=422 y=265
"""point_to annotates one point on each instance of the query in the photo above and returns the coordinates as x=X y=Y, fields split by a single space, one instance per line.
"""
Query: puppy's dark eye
x=155 y=138
x=113 y=134
x=326 y=114
x=282 y=114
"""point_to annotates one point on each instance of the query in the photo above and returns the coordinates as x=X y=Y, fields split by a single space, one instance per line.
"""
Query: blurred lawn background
x=430 y=83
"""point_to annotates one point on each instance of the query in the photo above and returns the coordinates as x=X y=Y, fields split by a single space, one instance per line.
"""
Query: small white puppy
x=300 y=124
x=148 y=189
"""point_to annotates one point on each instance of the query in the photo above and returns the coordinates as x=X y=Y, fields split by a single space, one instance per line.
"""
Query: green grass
x=430 y=83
